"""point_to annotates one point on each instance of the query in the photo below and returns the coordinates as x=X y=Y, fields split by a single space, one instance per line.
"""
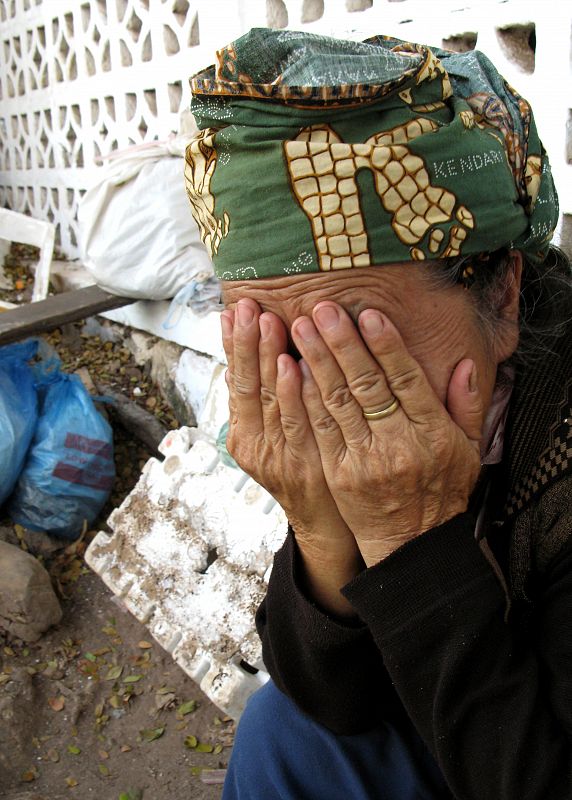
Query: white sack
x=137 y=234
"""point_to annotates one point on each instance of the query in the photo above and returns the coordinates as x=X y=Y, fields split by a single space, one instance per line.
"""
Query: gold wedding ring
x=384 y=411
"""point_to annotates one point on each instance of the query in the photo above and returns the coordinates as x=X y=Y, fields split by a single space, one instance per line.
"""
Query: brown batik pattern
x=200 y=164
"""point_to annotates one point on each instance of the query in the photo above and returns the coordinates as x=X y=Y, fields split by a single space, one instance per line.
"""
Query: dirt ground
x=72 y=726
x=96 y=708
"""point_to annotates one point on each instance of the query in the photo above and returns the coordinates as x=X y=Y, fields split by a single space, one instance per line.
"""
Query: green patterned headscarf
x=317 y=154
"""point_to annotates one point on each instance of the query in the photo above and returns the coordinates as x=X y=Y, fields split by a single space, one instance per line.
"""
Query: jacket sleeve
x=331 y=668
x=492 y=701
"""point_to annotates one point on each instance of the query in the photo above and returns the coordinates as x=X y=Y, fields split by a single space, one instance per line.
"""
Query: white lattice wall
x=79 y=78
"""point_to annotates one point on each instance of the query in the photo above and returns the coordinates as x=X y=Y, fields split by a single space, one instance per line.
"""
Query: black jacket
x=479 y=658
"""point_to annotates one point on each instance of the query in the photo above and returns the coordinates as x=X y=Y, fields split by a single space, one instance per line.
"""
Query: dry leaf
x=132 y=678
x=53 y=755
x=144 y=645
x=103 y=754
x=141 y=660
x=125 y=748
x=29 y=776
x=71 y=782
x=187 y=708
x=57 y=703
x=150 y=734
x=114 y=673
x=164 y=700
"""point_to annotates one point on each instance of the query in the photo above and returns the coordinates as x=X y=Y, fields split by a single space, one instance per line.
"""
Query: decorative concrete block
x=194 y=376
x=190 y=554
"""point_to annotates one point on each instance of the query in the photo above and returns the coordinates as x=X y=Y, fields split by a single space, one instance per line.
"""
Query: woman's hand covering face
x=299 y=429
x=395 y=477
x=270 y=437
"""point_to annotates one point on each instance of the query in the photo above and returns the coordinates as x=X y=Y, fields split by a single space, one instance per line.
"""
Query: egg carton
x=189 y=555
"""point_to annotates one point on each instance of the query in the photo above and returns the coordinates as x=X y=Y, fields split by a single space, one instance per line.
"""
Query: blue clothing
x=281 y=754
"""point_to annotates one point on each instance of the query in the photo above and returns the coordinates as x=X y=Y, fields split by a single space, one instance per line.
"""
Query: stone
x=28 y=604
x=42 y=544
x=8 y=534
x=141 y=345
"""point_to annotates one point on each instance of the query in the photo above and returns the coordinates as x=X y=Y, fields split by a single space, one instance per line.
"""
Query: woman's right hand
x=270 y=438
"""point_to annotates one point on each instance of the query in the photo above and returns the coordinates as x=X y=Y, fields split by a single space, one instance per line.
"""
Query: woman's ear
x=507 y=327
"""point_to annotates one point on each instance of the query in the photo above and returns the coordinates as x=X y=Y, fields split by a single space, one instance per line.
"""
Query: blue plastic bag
x=18 y=411
x=69 y=472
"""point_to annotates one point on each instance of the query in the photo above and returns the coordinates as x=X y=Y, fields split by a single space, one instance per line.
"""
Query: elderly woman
x=380 y=215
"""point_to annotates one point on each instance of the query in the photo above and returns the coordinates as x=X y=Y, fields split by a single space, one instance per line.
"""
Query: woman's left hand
x=392 y=478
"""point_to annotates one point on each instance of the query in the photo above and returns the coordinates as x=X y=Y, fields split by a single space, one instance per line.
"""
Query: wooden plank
x=33 y=319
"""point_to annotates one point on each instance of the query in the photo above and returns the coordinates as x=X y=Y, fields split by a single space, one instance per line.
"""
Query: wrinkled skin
x=355 y=490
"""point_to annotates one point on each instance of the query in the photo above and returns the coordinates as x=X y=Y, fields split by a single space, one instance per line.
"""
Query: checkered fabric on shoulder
x=554 y=463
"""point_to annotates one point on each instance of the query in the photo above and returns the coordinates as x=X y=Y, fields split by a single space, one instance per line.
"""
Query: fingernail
x=305 y=328
x=282 y=367
x=473 y=379
x=226 y=325
x=265 y=327
x=371 y=322
x=227 y=377
x=327 y=316
x=245 y=313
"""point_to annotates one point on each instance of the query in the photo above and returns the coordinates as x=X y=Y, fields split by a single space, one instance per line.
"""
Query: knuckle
x=365 y=384
x=291 y=426
x=338 y=397
x=244 y=387
x=267 y=396
x=324 y=424
x=404 y=378
x=401 y=467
